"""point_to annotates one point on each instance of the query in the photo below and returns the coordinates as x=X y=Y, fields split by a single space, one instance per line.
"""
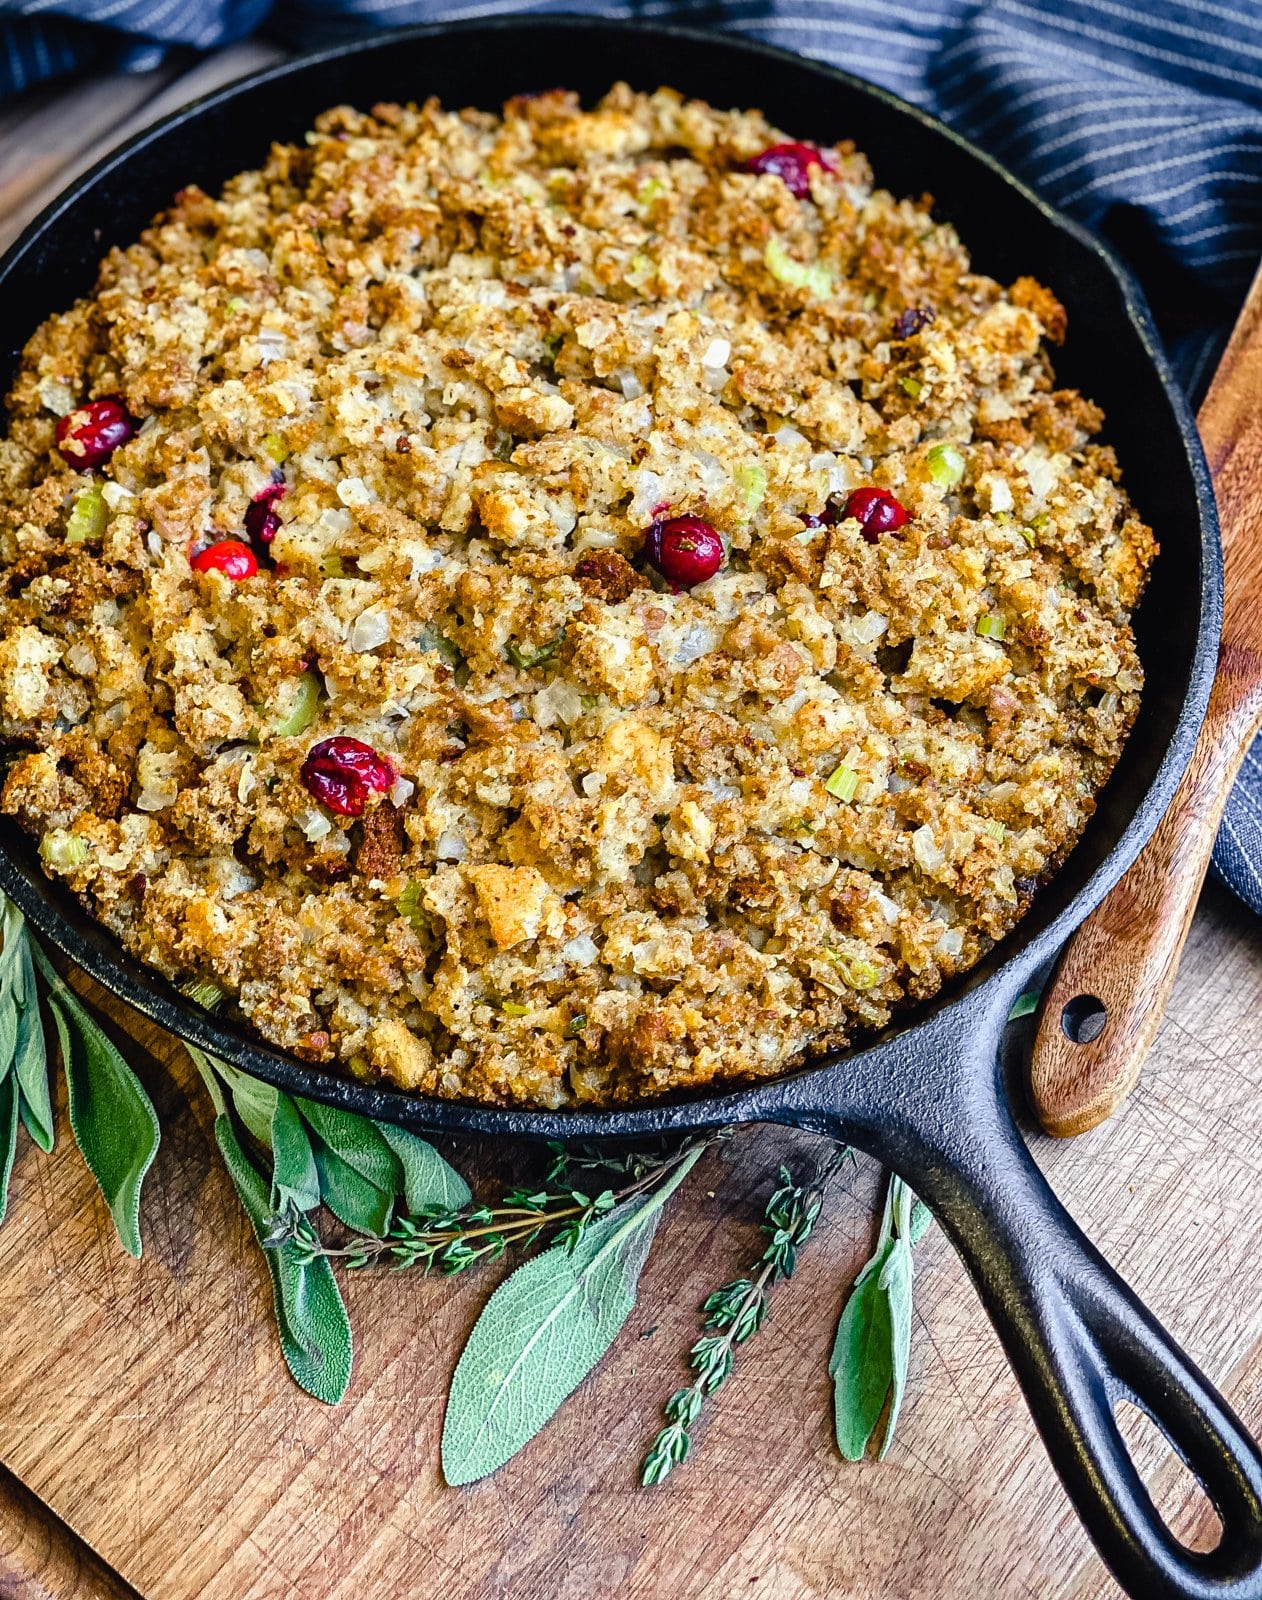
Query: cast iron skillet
x=927 y=1097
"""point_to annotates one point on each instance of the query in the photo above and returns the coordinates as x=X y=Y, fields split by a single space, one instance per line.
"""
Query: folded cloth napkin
x=1143 y=120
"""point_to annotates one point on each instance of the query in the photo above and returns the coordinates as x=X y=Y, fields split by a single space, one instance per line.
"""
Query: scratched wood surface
x=152 y=1444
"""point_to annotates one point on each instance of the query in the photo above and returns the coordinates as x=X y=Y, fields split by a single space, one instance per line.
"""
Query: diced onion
x=369 y=630
x=928 y=853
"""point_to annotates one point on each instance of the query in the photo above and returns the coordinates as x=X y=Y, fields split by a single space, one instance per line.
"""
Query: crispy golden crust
x=483 y=352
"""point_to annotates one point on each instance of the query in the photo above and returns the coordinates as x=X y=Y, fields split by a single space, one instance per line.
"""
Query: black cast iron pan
x=927 y=1097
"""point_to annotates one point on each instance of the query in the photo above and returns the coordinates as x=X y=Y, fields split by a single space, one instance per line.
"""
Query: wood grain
x=40 y=1559
x=145 y=1407
x=1126 y=953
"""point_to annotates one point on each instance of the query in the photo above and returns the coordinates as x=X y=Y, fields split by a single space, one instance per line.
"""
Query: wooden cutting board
x=152 y=1444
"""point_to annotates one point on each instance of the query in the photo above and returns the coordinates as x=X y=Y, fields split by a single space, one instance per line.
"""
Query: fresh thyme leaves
x=111 y=1116
x=546 y=1327
x=737 y=1311
x=450 y=1240
x=869 y=1359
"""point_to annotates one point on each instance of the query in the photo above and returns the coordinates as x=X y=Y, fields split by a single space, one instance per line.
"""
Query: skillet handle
x=1078 y=1339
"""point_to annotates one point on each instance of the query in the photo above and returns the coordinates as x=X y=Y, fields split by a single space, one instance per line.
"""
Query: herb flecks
x=737 y=1311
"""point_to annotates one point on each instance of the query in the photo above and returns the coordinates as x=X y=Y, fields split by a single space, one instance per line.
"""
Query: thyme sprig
x=737 y=1310
x=450 y=1241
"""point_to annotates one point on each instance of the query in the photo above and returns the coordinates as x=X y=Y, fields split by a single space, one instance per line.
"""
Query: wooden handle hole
x=1083 y=1019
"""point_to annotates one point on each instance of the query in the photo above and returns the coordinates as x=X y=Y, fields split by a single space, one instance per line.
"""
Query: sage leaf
x=352 y=1199
x=861 y=1366
x=8 y=1030
x=295 y=1179
x=315 y=1332
x=542 y=1332
x=1024 y=1005
x=429 y=1182
x=356 y=1141
x=255 y=1102
x=21 y=1031
x=111 y=1116
x=896 y=1278
x=30 y=1062
x=873 y=1343
x=8 y=1135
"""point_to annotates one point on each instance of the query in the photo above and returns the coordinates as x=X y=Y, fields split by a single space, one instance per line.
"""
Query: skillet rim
x=90 y=946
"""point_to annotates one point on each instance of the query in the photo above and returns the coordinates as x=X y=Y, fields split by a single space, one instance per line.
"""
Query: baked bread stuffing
x=558 y=607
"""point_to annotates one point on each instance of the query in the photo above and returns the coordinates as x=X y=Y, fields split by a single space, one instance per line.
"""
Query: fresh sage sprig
x=735 y=1312
x=869 y=1359
x=21 y=1034
x=23 y=1061
x=548 y=1324
x=111 y=1116
x=286 y=1156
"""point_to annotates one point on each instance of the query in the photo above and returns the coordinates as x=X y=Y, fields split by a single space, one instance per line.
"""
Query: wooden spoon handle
x=1126 y=954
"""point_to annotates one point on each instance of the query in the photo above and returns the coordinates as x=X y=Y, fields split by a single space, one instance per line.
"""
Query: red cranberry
x=876 y=511
x=234 y=559
x=685 y=550
x=262 y=520
x=343 y=772
x=93 y=431
x=792 y=164
x=810 y=520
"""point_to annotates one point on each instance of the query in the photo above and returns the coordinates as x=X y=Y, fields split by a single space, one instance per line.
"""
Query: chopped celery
x=843 y=782
x=946 y=465
x=815 y=278
x=305 y=709
x=87 y=517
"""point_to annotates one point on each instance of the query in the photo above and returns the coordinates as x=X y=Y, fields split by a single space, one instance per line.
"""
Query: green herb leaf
x=30 y=1061
x=255 y=1102
x=352 y=1198
x=870 y=1354
x=896 y=1278
x=21 y=1031
x=315 y=1332
x=8 y=1135
x=1024 y=1005
x=862 y=1360
x=542 y=1332
x=357 y=1141
x=428 y=1180
x=295 y=1180
x=111 y=1116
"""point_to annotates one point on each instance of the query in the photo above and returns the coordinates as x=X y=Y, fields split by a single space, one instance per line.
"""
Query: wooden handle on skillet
x=1126 y=954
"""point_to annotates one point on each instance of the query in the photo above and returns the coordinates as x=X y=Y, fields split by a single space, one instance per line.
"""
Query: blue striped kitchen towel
x=1144 y=120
